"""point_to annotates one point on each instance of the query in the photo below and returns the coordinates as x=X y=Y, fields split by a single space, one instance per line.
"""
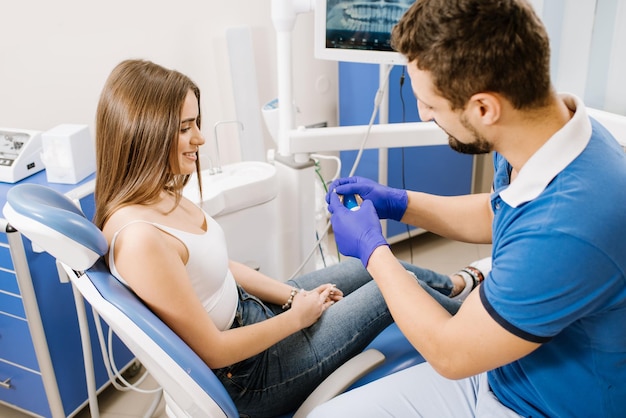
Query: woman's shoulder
x=135 y=238
x=133 y=218
x=147 y=221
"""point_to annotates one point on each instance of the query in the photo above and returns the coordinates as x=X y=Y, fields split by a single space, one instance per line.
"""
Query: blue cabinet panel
x=12 y=304
x=5 y=255
x=15 y=342
x=8 y=281
x=56 y=308
x=26 y=389
x=434 y=169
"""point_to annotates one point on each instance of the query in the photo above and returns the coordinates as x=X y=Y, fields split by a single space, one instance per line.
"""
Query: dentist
x=543 y=335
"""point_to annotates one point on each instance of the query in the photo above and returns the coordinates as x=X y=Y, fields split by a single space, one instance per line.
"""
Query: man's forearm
x=464 y=218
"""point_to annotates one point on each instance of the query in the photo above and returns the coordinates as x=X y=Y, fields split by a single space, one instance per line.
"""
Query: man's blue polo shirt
x=558 y=277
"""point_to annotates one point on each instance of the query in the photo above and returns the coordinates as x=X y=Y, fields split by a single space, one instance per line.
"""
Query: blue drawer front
x=16 y=344
x=8 y=282
x=5 y=256
x=26 y=389
x=12 y=305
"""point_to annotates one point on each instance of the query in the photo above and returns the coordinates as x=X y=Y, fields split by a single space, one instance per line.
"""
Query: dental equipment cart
x=20 y=154
x=41 y=362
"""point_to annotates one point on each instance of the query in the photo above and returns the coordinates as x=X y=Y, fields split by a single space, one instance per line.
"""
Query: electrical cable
x=114 y=373
x=325 y=184
x=319 y=175
x=403 y=174
x=329 y=157
x=377 y=101
x=109 y=362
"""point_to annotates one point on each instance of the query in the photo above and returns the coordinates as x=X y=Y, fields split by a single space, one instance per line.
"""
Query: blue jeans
x=279 y=379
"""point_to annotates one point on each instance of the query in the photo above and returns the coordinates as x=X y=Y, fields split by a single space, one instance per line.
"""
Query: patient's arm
x=260 y=285
x=266 y=288
x=152 y=264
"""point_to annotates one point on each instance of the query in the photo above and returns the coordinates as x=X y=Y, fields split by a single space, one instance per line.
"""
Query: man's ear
x=485 y=107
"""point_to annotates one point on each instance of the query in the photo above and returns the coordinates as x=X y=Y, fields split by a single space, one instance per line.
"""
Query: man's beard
x=478 y=146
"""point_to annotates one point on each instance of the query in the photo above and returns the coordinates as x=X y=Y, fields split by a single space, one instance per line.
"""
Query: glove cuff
x=371 y=242
x=399 y=204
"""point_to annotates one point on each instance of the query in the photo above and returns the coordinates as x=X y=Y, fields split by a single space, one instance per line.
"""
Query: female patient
x=269 y=342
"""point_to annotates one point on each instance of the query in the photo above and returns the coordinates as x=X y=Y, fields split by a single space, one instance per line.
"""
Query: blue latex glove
x=390 y=203
x=357 y=233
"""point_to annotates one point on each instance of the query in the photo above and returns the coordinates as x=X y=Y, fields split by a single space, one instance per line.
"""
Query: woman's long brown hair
x=137 y=127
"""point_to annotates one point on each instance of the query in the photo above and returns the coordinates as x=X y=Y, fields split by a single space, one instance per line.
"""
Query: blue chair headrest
x=55 y=224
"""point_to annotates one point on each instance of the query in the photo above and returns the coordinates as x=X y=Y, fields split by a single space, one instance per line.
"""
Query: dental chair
x=190 y=389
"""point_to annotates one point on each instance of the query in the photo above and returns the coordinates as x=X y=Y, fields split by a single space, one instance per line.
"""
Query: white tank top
x=207 y=268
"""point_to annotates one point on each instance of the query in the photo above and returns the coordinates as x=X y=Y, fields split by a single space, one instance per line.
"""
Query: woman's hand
x=334 y=294
x=309 y=305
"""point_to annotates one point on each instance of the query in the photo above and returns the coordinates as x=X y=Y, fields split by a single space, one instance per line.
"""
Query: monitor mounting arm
x=284 y=13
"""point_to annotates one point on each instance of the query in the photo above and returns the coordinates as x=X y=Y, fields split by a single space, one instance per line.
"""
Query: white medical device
x=20 y=154
x=358 y=30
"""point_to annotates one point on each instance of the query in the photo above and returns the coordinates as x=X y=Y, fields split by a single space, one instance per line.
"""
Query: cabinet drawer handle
x=6 y=384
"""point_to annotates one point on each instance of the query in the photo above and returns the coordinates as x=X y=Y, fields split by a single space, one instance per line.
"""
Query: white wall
x=587 y=39
x=55 y=57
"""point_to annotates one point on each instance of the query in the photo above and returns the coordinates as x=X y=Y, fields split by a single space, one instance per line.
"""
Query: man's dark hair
x=474 y=46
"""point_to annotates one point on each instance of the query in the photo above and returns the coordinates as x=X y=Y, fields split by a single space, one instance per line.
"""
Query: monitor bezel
x=370 y=56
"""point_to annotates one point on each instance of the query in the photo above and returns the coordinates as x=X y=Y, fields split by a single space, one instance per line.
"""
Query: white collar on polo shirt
x=552 y=158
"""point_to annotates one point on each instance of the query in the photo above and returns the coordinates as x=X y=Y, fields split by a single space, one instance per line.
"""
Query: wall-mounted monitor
x=358 y=30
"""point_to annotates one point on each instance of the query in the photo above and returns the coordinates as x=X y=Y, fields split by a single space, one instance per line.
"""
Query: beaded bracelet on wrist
x=287 y=304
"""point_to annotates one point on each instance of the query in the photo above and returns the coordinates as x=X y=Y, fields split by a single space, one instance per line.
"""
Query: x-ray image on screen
x=362 y=24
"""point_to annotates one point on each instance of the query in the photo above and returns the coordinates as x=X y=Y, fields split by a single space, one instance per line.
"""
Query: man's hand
x=390 y=203
x=357 y=233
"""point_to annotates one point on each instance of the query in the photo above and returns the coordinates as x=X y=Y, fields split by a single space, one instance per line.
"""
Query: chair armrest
x=341 y=379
